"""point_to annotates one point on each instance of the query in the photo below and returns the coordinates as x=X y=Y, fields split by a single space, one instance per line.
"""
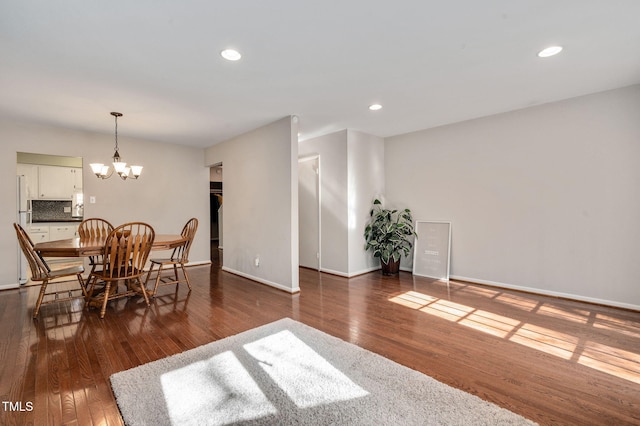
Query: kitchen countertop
x=73 y=219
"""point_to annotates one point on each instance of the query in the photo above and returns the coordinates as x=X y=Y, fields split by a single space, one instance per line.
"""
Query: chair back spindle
x=94 y=228
x=127 y=248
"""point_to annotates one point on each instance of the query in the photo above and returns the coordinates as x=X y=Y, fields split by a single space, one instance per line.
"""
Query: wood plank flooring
x=552 y=361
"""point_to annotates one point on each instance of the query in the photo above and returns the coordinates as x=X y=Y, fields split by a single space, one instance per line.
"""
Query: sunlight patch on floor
x=616 y=325
x=614 y=361
x=484 y=292
x=517 y=301
x=545 y=340
x=413 y=299
x=223 y=386
x=487 y=322
x=226 y=387
x=447 y=310
x=306 y=377
x=607 y=359
x=555 y=312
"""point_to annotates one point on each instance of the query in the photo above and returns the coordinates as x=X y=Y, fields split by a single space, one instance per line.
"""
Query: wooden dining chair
x=40 y=271
x=94 y=228
x=125 y=254
x=179 y=257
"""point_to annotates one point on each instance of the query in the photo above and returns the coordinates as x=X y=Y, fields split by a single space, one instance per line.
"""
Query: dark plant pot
x=391 y=268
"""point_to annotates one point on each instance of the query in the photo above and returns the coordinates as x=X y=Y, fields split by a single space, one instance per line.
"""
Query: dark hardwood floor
x=552 y=361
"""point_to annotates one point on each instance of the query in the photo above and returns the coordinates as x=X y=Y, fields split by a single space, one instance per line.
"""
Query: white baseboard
x=199 y=263
x=332 y=272
x=356 y=273
x=262 y=280
x=364 y=271
x=549 y=293
x=9 y=286
x=350 y=275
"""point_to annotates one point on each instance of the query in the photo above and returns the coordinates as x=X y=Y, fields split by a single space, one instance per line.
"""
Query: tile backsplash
x=50 y=211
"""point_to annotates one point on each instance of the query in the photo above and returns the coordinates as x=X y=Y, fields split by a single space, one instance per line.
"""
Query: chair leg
x=186 y=277
x=43 y=289
x=144 y=291
x=107 y=288
x=91 y=284
x=146 y=281
x=157 y=283
x=83 y=286
x=158 y=277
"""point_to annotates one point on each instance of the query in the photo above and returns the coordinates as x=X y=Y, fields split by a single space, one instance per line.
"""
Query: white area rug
x=288 y=373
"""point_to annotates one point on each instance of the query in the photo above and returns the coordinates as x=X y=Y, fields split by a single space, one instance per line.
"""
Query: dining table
x=81 y=247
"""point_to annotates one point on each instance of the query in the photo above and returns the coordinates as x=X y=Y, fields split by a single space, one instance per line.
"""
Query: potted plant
x=389 y=235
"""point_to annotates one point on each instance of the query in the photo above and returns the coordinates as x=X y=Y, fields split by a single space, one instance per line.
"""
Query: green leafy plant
x=389 y=232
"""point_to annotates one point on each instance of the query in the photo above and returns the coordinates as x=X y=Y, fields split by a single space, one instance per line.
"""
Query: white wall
x=174 y=185
x=365 y=165
x=261 y=203
x=544 y=198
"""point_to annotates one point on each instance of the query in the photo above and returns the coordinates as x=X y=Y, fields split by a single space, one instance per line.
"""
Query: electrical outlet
x=256 y=262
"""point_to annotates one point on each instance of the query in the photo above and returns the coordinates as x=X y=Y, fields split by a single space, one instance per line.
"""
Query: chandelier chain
x=116 y=147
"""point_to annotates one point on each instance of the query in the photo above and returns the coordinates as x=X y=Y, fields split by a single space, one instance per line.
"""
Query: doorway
x=215 y=213
x=49 y=203
x=309 y=212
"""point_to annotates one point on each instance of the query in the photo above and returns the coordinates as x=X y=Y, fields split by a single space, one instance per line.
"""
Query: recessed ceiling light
x=375 y=107
x=550 y=51
x=231 y=54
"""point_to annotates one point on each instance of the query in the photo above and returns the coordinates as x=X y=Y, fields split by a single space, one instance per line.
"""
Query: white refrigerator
x=24 y=219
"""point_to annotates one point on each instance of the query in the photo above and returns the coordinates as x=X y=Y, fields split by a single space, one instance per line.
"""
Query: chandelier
x=120 y=167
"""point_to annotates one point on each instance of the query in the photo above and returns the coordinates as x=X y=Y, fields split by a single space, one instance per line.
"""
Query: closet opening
x=215 y=204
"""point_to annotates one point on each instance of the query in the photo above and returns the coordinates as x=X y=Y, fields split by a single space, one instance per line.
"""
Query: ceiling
x=70 y=62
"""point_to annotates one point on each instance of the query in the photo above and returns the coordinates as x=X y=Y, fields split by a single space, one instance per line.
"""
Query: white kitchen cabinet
x=51 y=231
x=31 y=173
x=62 y=231
x=39 y=233
x=77 y=178
x=56 y=183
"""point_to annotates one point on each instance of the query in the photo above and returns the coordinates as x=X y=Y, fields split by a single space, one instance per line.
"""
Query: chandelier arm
x=107 y=176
